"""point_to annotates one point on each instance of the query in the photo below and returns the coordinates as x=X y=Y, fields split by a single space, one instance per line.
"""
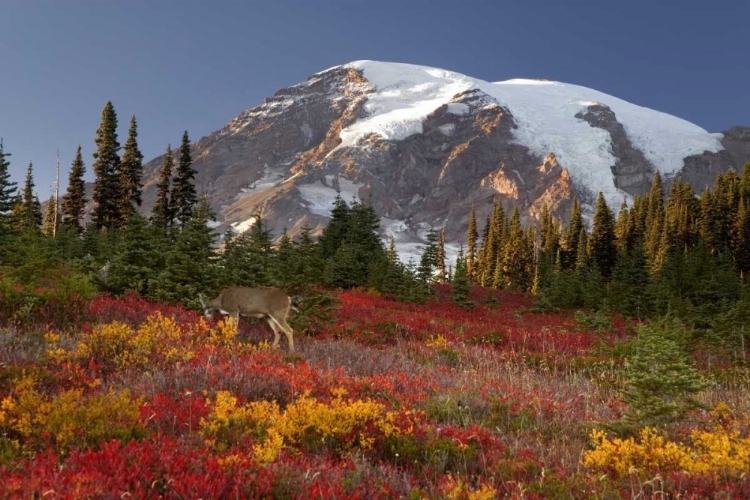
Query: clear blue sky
x=194 y=65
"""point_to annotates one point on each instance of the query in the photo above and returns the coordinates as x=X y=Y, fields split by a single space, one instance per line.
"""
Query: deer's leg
x=275 y=328
x=288 y=331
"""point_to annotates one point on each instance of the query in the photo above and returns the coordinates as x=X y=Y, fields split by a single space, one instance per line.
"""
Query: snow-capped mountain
x=426 y=144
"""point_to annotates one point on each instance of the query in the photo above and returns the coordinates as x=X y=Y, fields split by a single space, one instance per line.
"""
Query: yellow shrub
x=225 y=333
x=70 y=418
x=158 y=339
x=456 y=489
x=303 y=422
x=720 y=451
x=438 y=341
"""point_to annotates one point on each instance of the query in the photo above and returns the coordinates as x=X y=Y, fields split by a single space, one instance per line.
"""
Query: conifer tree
x=336 y=230
x=161 y=213
x=107 y=191
x=248 y=258
x=744 y=187
x=480 y=268
x=661 y=382
x=28 y=210
x=741 y=238
x=602 y=250
x=428 y=260
x=582 y=254
x=442 y=273
x=184 y=196
x=471 y=245
x=74 y=201
x=569 y=256
x=130 y=173
x=654 y=217
x=138 y=259
x=461 y=284
x=49 y=225
x=7 y=189
x=515 y=270
x=190 y=266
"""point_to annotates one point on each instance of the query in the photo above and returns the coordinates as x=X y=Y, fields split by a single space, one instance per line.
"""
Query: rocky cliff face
x=292 y=154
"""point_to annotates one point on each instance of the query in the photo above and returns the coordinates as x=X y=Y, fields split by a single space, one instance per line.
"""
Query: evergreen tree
x=741 y=238
x=516 y=266
x=248 y=258
x=654 y=217
x=744 y=187
x=74 y=201
x=582 y=253
x=28 y=210
x=130 y=173
x=190 y=263
x=569 y=255
x=602 y=250
x=161 y=213
x=461 y=284
x=471 y=245
x=184 y=196
x=442 y=273
x=138 y=258
x=49 y=226
x=336 y=230
x=428 y=260
x=360 y=252
x=107 y=191
x=7 y=189
x=661 y=383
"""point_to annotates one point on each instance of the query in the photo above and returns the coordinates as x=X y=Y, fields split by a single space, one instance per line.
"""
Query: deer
x=269 y=303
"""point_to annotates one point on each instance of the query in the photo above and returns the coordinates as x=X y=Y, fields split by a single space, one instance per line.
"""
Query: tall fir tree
x=471 y=244
x=741 y=238
x=131 y=173
x=184 y=196
x=107 y=191
x=161 y=213
x=74 y=202
x=654 y=217
x=7 y=189
x=441 y=276
x=662 y=384
x=461 y=284
x=602 y=249
x=28 y=210
x=569 y=256
x=49 y=225
x=335 y=232
x=190 y=266
x=428 y=260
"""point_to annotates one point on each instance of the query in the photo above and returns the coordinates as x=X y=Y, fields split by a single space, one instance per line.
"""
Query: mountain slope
x=426 y=144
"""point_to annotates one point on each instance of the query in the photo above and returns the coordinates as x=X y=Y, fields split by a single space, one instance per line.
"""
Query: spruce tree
x=74 y=201
x=184 y=196
x=602 y=249
x=661 y=382
x=131 y=172
x=569 y=255
x=654 y=217
x=7 y=189
x=49 y=226
x=516 y=266
x=336 y=230
x=471 y=245
x=428 y=260
x=741 y=238
x=107 y=191
x=28 y=210
x=461 y=284
x=582 y=253
x=441 y=274
x=744 y=187
x=138 y=259
x=190 y=266
x=161 y=213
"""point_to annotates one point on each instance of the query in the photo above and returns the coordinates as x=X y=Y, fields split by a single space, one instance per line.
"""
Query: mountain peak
x=427 y=143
